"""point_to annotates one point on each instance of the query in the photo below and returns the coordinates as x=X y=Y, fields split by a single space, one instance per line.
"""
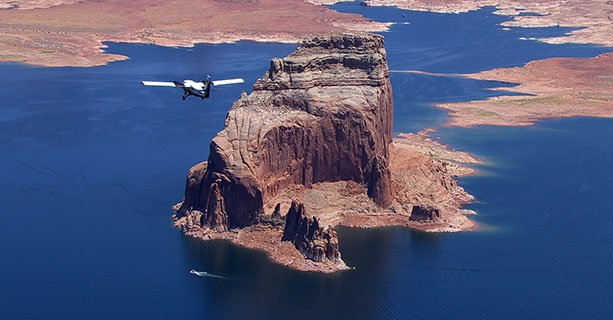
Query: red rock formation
x=322 y=114
x=425 y=213
x=315 y=136
x=314 y=242
x=216 y=216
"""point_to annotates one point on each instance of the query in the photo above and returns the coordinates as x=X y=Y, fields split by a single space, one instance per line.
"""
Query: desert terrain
x=551 y=88
x=71 y=33
x=594 y=18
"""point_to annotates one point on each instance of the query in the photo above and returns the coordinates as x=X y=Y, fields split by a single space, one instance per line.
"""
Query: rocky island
x=311 y=148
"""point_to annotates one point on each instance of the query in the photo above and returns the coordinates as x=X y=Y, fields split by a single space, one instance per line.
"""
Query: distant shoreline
x=39 y=33
x=590 y=17
x=551 y=88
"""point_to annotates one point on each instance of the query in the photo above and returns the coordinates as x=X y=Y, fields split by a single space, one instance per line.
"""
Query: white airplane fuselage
x=194 y=88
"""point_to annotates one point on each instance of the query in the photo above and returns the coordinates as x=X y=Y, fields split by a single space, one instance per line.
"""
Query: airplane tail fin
x=207 y=87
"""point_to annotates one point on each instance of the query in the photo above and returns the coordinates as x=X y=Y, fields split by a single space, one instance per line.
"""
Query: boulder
x=425 y=213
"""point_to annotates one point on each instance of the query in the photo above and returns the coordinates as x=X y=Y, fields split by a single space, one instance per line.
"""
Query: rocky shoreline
x=549 y=88
x=37 y=33
x=591 y=17
x=311 y=148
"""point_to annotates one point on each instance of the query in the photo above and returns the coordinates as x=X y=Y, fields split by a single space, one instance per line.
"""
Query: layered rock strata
x=323 y=114
x=314 y=139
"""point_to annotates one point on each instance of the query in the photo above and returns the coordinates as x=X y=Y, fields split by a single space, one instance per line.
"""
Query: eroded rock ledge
x=314 y=139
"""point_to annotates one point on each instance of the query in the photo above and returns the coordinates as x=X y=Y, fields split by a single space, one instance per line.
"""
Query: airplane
x=200 y=89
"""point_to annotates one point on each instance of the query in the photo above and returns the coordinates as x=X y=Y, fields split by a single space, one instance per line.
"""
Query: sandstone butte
x=71 y=32
x=311 y=148
x=591 y=17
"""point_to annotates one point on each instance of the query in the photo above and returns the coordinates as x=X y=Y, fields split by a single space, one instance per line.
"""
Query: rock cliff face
x=313 y=141
x=322 y=114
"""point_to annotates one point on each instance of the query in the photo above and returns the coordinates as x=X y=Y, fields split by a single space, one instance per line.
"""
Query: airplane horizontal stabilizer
x=228 y=81
x=158 y=84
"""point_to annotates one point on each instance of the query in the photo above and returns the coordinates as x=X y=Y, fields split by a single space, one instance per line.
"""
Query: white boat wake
x=206 y=274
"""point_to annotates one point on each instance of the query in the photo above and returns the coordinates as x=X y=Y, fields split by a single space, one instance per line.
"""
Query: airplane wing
x=228 y=81
x=158 y=84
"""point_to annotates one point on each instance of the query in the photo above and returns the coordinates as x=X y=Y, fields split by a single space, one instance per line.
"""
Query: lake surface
x=91 y=162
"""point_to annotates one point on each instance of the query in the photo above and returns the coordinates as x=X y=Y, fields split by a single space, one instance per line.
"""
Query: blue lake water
x=90 y=162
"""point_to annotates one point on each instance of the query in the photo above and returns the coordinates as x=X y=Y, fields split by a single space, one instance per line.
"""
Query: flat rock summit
x=310 y=148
